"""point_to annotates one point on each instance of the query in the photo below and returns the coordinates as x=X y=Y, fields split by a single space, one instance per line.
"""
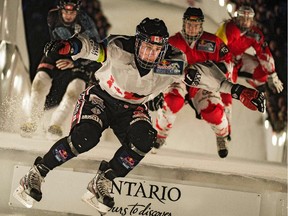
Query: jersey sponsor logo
x=94 y=48
x=206 y=46
x=127 y=161
x=96 y=100
x=61 y=154
x=223 y=51
x=93 y=118
x=169 y=67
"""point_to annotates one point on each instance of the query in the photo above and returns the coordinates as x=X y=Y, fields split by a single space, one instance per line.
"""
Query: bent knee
x=142 y=135
x=174 y=101
x=85 y=136
x=213 y=113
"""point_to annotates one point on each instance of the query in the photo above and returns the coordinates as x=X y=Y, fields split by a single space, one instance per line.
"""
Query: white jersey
x=120 y=77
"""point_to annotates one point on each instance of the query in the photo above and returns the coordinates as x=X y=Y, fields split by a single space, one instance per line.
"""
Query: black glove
x=56 y=49
x=250 y=98
x=155 y=103
x=192 y=77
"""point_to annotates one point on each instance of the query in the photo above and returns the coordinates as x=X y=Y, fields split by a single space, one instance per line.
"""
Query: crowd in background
x=271 y=17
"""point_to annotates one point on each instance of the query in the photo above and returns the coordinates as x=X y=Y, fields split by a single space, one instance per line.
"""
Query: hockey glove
x=155 y=103
x=274 y=83
x=62 y=48
x=192 y=77
x=250 y=98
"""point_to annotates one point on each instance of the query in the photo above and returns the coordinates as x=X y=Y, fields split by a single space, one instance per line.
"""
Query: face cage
x=241 y=27
x=148 y=65
x=189 y=38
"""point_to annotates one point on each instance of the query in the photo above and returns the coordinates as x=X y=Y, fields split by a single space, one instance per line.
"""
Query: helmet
x=244 y=13
x=152 y=31
x=194 y=15
x=70 y=4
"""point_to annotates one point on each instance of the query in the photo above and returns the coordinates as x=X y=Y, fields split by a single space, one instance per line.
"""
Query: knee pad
x=84 y=136
x=174 y=101
x=213 y=113
x=226 y=99
x=142 y=137
x=259 y=74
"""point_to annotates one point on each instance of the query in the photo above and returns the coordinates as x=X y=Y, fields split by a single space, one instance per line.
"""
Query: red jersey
x=207 y=47
x=238 y=42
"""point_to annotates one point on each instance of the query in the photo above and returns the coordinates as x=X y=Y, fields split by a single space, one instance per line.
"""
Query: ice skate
x=30 y=186
x=98 y=194
x=159 y=143
x=28 y=129
x=222 y=146
x=54 y=132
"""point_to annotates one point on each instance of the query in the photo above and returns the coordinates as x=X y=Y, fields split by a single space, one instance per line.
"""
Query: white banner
x=62 y=191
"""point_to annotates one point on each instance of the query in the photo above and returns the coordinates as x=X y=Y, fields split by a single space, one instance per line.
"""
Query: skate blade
x=23 y=198
x=91 y=200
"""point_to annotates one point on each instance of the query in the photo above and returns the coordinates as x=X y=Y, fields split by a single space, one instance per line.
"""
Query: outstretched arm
x=79 y=46
x=209 y=77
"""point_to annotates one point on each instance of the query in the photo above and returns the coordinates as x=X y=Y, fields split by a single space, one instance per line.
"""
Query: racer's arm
x=79 y=46
x=266 y=59
x=207 y=76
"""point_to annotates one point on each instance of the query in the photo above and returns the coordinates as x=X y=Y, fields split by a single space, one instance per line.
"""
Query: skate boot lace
x=102 y=185
x=221 y=143
x=34 y=179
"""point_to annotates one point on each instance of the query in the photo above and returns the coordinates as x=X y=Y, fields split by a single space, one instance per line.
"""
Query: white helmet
x=244 y=13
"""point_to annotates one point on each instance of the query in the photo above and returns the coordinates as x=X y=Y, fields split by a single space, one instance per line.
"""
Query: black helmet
x=194 y=14
x=70 y=4
x=152 y=31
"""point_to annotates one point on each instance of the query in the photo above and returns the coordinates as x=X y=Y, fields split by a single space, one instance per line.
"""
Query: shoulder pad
x=127 y=43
